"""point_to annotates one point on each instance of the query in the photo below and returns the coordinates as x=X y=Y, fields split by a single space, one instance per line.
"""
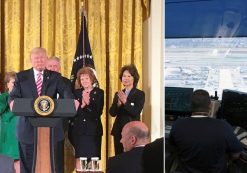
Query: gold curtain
x=115 y=34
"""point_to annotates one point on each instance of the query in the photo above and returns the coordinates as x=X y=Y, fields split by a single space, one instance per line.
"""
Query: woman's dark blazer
x=130 y=111
x=87 y=120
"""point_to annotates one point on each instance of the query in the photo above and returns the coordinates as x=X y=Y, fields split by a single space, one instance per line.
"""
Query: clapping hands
x=85 y=98
x=122 y=98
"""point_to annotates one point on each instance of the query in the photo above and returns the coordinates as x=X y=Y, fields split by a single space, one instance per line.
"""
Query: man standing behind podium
x=54 y=64
x=32 y=83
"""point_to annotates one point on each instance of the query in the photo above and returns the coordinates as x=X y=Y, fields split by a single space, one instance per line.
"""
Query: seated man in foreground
x=135 y=136
x=202 y=142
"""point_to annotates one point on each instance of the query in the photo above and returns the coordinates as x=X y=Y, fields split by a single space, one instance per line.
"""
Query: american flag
x=83 y=55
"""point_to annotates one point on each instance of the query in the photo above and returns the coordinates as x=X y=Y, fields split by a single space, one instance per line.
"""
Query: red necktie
x=39 y=83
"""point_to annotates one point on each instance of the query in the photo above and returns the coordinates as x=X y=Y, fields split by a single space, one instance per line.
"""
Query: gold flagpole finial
x=82 y=4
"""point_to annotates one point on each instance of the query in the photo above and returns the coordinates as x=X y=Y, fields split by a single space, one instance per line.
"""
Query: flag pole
x=83 y=32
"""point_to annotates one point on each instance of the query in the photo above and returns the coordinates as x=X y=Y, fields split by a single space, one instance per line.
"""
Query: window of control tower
x=212 y=64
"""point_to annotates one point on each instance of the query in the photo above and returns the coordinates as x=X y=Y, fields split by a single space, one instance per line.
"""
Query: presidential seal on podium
x=44 y=105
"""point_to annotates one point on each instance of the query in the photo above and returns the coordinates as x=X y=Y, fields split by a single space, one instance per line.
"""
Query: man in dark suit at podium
x=32 y=83
x=135 y=136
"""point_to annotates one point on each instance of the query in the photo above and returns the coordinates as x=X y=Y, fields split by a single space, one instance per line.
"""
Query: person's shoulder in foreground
x=127 y=162
x=153 y=156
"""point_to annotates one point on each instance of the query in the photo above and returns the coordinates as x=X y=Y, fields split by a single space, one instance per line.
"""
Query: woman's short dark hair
x=8 y=76
x=86 y=70
x=131 y=68
x=200 y=101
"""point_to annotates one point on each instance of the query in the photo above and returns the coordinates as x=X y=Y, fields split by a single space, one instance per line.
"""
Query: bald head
x=134 y=133
x=137 y=128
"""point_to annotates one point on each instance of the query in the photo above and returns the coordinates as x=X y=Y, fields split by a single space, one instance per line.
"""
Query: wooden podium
x=44 y=120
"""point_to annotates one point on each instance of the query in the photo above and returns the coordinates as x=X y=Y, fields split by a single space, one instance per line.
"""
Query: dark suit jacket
x=66 y=120
x=153 y=156
x=25 y=87
x=68 y=82
x=129 y=112
x=87 y=120
x=127 y=162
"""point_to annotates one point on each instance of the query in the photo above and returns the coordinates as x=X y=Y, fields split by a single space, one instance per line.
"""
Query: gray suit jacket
x=25 y=87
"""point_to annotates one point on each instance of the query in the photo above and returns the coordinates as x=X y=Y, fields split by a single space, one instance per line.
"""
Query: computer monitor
x=178 y=101
x=234 y=107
